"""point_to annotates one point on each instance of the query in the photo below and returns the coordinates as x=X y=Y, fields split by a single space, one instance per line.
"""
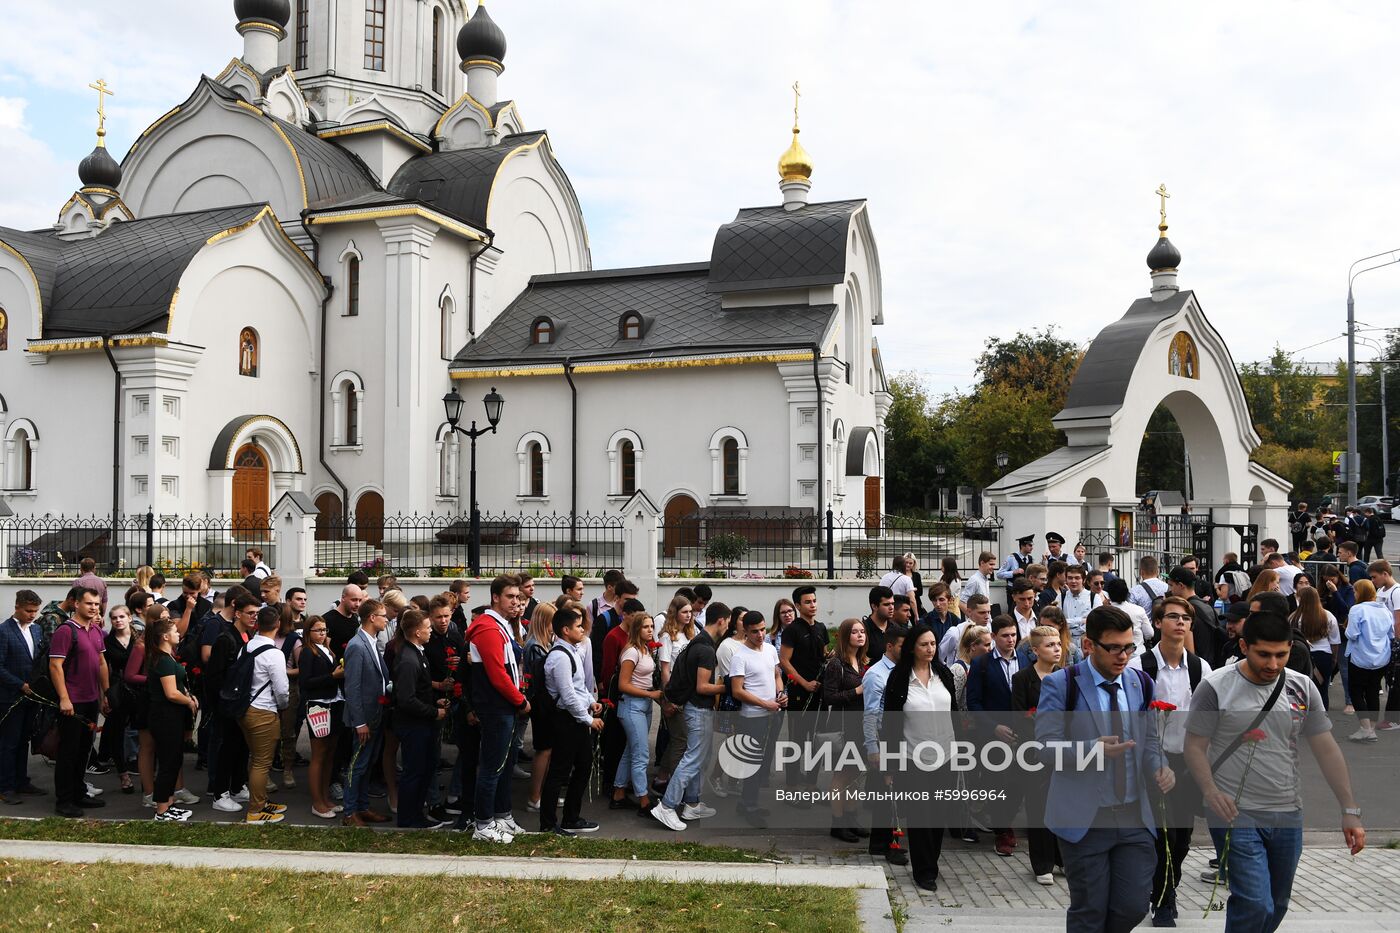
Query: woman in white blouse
x=921 y=690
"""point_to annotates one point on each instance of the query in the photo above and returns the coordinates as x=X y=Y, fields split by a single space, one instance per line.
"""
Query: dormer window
x=630 y=327
x=542 y=331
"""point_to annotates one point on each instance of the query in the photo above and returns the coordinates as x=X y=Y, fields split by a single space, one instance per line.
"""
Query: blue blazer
x=365 y=682
x=1074 y=795
x=16 y=663
x=987 y=689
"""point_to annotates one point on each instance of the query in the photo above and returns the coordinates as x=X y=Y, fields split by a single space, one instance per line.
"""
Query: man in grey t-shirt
x=1252 y=787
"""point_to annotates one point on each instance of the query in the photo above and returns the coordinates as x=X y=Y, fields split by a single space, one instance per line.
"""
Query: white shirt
x=976 y=584
x=1333 y=636
x=24 y=632
x=270 y=687
x=724 y=657
x=900 y=584
x=1389 y=597
x=1286 y=575
x=1173 y=684
x=1142 y=630
x=948 y=647
x=671 y=647
x=927 y=714
x=759 y=668
x=1076 y=609
x=1024 y=624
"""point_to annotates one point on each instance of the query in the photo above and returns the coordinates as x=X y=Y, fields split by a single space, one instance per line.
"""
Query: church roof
x=459 y=182
x=770 y=247
x=122 y=281
x=1100 y=387
x=331 y=174
x=680 y=316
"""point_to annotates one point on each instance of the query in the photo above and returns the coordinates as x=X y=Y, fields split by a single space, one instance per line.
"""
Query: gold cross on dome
x=796 y=102
x=103 y=92
x=1161 y=192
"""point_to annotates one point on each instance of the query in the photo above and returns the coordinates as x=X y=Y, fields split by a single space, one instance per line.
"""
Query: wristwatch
x=1352 y=811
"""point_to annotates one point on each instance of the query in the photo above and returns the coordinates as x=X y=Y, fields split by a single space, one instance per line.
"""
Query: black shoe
x=1214 y=863
x=302 y=761
x=800 y=803
x=378 y=790
x=658 y=789
x=558 y=831
x=757 y=816
x=897 y=857
x=11 y=798
x=29 y=790
x=970 y=835
x=928 y=884
x=98 y=767
x=91 y=803
x=844 y=834
x=453 y=807
x=69 y=810
x=625 y=803
x=861 y=833
x=580 y=825
x=1164 y=916
x=438 y=814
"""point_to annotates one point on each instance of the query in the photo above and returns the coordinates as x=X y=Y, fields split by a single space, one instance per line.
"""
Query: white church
x=275 y=288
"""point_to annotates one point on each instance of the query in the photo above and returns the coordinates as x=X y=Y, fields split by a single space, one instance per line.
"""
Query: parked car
x=1384 y=506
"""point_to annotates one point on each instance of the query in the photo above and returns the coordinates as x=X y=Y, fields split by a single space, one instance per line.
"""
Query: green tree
x=1287 y=407
x=913 y=446
x=1308 y=469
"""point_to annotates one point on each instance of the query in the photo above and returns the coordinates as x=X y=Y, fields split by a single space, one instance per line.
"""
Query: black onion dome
x=273 y=12
x=100 y=170
x=482 y=38
x=1163 y=256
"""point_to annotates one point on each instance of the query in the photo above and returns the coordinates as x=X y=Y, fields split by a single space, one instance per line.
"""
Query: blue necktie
x=1115 y=718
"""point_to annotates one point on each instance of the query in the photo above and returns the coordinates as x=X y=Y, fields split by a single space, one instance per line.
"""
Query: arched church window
x=20 y=454
x=542 y=331
x=303 y=33
x=536 y=457
x=248 y=352
x=631 y=328
x=1183 y=359
x=730 y=456
x=437 y=51
x=445 y=349
x=352 y=414
x=627 y=462
x=374 y=34
x=4 y=330
x=352 y=287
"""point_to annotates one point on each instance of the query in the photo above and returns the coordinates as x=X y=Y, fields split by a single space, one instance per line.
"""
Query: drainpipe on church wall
x=116 y=441
x=321 y=380
x=821 y=445
x=573 y=456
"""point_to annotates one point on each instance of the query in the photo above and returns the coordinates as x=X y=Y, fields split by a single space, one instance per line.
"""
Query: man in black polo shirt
x=804 y=653
x=343 y=621
x=881 y=612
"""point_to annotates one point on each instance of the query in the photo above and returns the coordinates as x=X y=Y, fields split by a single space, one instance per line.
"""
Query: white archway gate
x=1163 y=351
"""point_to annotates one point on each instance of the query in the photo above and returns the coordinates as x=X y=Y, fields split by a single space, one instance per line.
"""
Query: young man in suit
x=1103 y=818
x=989 y=692
x=20 y=640
x=366 y=683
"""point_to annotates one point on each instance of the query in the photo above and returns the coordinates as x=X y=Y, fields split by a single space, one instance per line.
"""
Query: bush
x=794 y=572
x=726 y=549
x=867 y=558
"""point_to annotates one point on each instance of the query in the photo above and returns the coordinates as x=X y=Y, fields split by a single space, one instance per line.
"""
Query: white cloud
x=1008 y=150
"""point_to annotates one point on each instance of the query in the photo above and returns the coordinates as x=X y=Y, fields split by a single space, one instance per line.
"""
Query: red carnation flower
x=1030 y=712
x=1255 y=735
x=1162 y=705
x=451 y=651
x=457 y=691
x=195 y=671
x=653 y=645
x=384 y=701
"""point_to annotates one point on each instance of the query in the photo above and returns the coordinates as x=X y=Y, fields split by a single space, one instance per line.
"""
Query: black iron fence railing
x=439 y=545
x=53 y=546
x=765 y=545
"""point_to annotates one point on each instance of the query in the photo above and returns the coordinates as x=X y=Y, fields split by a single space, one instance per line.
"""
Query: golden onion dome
x=795 y=164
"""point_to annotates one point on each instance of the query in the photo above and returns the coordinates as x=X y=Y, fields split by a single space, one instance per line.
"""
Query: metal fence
x=52 y=546
x=438 y=545
x=764 y=545
x=1168 y=538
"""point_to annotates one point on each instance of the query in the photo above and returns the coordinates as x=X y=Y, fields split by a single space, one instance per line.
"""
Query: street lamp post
x=1353 y=476
x=454 y=403
x=1381 y=363
x=941 y=497
x=1002 y=459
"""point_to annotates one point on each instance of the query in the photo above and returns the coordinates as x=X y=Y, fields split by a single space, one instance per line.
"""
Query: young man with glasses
x=1176 y=673
x=1104 y=817
x=1388 y=595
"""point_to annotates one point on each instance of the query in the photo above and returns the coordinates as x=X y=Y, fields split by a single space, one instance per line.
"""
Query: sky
x=1009 y=151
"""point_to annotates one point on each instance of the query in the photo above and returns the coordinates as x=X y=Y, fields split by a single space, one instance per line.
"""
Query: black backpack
x=39 y=680
x=236 y=694
x=539 y=694
x=681 y=686
x=535 y=656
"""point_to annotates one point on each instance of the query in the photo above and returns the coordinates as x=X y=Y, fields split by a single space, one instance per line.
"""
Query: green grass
x=110 y=898
x=345 y=839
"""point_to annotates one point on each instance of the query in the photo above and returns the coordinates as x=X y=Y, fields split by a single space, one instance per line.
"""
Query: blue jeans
x=1262 y=859
x=635 y=714
x=689 y=777
x=357 y=773
x=494 y=764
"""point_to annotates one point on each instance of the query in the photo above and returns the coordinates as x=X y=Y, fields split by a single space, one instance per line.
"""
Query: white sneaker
x=93 y=790
x=148 y=801
x=242 y=795
x=227 y=804
x=667 y=817
x=532 y=806
x=696 y=811
x=491 y=832
x=1046 y=879
x=508 y=823
x=184 y=796
x=271 y=786
x=172 y=815
x=520 y=772
x=718 y=788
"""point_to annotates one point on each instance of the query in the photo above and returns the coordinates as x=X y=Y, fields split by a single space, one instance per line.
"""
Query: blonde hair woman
x=537 y=645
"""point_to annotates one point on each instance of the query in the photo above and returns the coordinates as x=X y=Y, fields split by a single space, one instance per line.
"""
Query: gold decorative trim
x=238 y=64
x=234 y=447
x=387 y=213
x=38 y=292
x=144 y=340
x=639 y=365
x=386 y=125
x=75 y=199
x=483 y=63
x=98 y=189
x=464 y=99
x=65 y=345
x=500 y=168
x=150 y=129
x=301 y=173
x=277 y=31
x=170 y=312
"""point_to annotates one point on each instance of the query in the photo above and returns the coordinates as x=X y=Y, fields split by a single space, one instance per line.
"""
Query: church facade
x=276 y=286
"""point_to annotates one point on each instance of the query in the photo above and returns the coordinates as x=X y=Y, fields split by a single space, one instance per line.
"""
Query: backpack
x=1072 y=687
x=1153 y=596
x=681 y=687
x=539 y=696
x=39 y=680
x=1193 y=667
x=236 y=694
x=1236 y=582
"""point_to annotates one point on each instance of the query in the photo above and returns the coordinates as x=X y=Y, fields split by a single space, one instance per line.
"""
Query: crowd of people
x=627 y=702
